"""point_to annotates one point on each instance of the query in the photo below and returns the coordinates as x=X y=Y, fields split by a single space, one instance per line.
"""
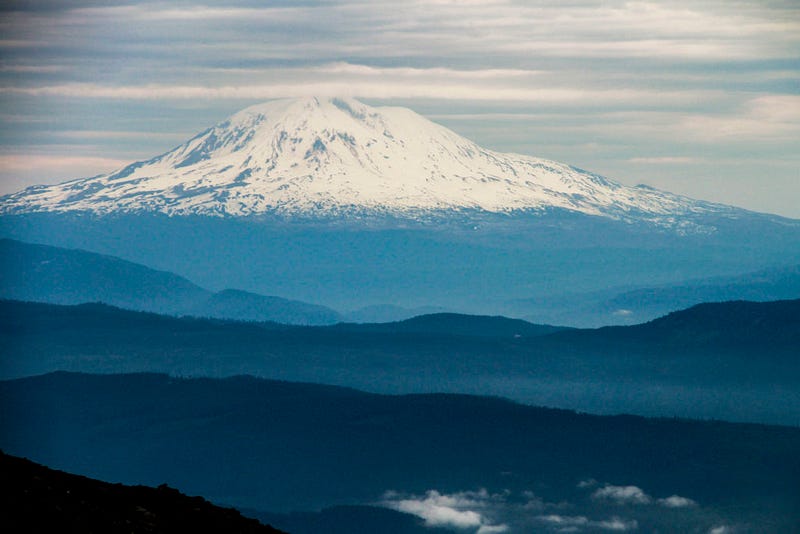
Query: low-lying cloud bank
x=596 y=507
x=463 y=510
x=623 y=495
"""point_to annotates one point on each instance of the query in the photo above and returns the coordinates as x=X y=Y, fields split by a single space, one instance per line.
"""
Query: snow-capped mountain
x=332 y=156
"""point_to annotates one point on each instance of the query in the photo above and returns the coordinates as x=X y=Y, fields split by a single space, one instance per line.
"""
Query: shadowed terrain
x=38 y=499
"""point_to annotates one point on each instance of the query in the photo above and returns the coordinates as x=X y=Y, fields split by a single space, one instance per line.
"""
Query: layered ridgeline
x=334 y=202
x=731 y=361
x=39 y=273
x=330 y=157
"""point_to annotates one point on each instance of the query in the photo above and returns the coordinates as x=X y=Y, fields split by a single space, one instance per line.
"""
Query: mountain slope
x=245 y=306
x=331 y=157
x=38 y=499
x=64 y=276
x=40 y=273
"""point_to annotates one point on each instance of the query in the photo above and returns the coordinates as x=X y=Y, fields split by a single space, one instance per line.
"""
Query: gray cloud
x=676 y=501
x=622 y=495
x=562 y=523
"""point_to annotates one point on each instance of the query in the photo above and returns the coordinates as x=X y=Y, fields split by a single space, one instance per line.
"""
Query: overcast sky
x=700 y=98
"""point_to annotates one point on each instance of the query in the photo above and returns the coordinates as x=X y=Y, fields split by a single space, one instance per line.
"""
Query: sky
x=700 y=98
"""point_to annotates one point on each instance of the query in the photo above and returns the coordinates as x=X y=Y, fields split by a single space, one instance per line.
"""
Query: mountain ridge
x=708 y=361
x=43 y=273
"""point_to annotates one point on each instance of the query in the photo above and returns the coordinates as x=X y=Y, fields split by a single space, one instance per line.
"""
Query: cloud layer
x=696 y=97
x=461 y=511
x=594 y=507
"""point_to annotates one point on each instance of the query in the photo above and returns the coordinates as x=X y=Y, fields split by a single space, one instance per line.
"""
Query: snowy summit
x=330 y=156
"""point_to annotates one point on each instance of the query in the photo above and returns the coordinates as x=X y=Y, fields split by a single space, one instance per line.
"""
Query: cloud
x=617 y=524
x=365 y=88
x=463 y=510
x=37 y=162
x=563 y=523
x=722 y=529
x=117 y=134
x=492 y=529
x=622 y=495
x=676 y=501
x=662 y=160
x=18 y=171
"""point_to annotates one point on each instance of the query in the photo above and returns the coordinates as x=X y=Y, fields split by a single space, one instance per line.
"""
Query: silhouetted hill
x=457 y=324
x=730 y=360
x=761 y=286
x=635 y=306
x=738 y=326
x=37 y=499
x=55 y=275
x=349 y=520
x=280 y=446
x=64 y=276
x=387 y=313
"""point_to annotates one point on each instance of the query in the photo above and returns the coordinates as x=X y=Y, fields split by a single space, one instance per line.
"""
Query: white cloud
x=622 y=495
x=722 y=529
x=563 y=523
x=662 y=160
x=492 y=529
x=463 y=510
x=617 y=524
x=676 y=501
x=18 y=171
x=365 y=88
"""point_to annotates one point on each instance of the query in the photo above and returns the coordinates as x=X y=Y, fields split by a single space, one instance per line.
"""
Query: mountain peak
x=313 y=157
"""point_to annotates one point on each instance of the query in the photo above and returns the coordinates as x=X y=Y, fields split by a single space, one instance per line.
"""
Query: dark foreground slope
x=285 y=446
x=39 y=499
x=733 y=361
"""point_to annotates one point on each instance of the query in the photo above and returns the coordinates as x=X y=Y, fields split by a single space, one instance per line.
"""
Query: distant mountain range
x=280 y=447
x=735 y=361
x=38 y=499
x=41 y=273
x=632 y=306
